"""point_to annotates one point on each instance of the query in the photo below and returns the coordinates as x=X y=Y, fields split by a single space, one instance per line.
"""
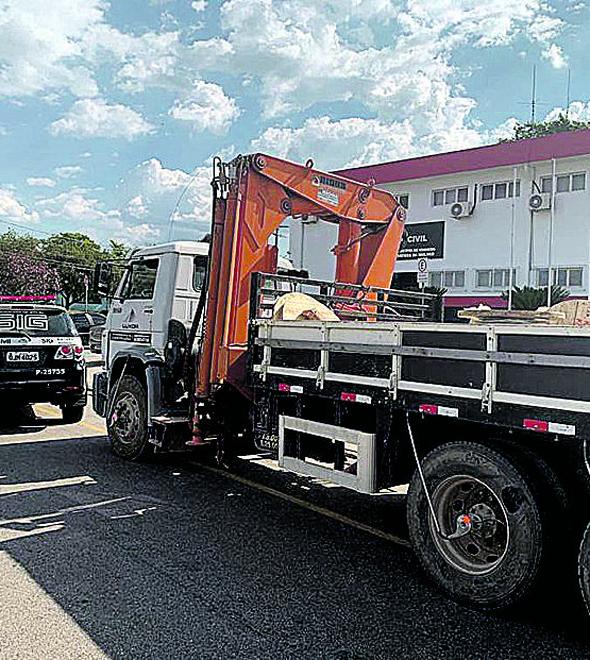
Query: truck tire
x=127 y=420
x=497 y=562
x=584 y=568
x=72 y=414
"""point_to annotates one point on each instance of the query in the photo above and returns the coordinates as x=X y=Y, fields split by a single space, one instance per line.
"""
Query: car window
x=37 y=323
x=141 y=280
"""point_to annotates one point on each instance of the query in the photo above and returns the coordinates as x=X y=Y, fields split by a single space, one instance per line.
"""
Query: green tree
x=532 y=129
x=13 y=243
x=531 y=298
x=75 y=255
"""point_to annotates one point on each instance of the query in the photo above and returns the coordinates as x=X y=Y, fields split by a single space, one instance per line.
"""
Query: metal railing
x=350 y=302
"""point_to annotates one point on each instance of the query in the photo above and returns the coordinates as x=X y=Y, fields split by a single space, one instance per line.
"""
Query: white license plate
x=22 y=356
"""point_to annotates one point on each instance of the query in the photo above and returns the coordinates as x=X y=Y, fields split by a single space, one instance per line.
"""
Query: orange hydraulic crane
x=253 y=195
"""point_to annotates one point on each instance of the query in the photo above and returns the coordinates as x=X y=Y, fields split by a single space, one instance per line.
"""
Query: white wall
x=483 y=239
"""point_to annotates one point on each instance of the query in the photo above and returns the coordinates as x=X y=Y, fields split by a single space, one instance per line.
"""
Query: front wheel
x=584 y=568
x=127 y=420
x=484 y=501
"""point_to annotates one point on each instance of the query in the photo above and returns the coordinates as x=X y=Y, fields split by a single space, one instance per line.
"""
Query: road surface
x=178 y=559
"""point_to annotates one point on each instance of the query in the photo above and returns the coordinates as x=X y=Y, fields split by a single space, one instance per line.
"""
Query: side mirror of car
x=103 y=274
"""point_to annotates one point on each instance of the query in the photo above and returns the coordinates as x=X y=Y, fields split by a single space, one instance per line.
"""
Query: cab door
x=131 y=320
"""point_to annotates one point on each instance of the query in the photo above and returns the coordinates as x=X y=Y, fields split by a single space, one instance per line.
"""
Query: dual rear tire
x=498 y=560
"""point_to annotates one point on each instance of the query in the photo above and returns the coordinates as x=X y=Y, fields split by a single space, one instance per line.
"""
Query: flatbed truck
x=488 y=424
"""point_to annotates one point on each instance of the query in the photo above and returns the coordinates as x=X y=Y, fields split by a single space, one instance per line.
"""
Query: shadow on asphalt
x=171 y=560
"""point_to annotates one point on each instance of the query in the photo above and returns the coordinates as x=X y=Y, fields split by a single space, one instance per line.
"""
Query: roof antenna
x=567 y=94
x=534 y=94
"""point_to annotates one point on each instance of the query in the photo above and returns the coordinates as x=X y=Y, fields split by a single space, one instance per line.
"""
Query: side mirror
x=103 y=273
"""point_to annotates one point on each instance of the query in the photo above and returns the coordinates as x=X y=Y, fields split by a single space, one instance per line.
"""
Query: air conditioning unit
x=540 y=202
x=461 y=210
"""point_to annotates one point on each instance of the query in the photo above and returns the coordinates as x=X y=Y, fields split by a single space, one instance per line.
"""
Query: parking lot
x=178 y=558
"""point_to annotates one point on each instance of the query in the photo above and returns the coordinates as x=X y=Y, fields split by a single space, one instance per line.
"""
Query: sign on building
x=422 y=276
x=423 y=240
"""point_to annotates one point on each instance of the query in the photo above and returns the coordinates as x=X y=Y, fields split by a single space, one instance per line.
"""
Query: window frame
x=556 y=271
x=125 y=293
x=509 y=190
x=547 y=182
x=441 y=276
x=456 y=193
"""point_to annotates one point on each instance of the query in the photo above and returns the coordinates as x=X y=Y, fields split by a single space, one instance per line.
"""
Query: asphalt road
x=178 y=559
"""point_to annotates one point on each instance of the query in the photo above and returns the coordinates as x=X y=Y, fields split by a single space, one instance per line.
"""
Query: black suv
x=41 y=358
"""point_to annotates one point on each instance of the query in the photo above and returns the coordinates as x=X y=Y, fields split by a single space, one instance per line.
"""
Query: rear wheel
x=72 y=414
x=486 y=502
x=127 y=420
x=584 y=568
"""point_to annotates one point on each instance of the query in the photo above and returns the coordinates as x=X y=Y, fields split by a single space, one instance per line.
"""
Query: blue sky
x=109 y=110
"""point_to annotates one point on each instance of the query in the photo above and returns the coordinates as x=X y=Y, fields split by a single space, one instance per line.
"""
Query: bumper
x=70 y=390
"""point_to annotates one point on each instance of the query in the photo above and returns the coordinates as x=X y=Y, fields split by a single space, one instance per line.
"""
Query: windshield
x=36 y=323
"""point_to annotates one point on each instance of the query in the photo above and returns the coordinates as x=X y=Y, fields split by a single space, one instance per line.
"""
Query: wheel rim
x=483 y=548
x=125 y=418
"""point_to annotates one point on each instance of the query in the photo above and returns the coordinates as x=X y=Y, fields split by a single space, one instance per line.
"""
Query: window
x=565 y=183
x=450 y=196
x=494 y=278
x=141 y=280
x=500 y=190
x=487 y=192
x=450 y=279
x=404 y=200
x=566 y=277
x=199 y=272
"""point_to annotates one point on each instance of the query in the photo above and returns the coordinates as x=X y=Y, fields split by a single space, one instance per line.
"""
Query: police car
x=41 y=357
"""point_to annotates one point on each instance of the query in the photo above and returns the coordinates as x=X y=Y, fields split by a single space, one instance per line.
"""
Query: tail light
x=69 y=352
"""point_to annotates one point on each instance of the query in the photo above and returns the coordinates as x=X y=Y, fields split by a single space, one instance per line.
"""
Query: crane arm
x=253 y=195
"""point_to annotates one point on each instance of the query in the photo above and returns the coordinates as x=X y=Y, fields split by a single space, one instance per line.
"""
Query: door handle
x=149 y=310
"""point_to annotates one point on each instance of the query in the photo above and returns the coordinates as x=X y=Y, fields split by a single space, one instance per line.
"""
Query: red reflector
x=428 y=408
x=66 y=350
x=283 y=387
x=78 y=350
x=348 y=396
x=536 y=425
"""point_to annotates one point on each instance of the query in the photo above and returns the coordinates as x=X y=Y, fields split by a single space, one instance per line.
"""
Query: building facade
x=471 y=214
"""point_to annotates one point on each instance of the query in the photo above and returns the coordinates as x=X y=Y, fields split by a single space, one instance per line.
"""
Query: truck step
x=167 y=421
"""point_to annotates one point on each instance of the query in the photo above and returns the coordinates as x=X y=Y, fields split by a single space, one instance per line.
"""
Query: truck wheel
x=496 y=562
x=127 y=420
x=584 y=568
x=72 y=414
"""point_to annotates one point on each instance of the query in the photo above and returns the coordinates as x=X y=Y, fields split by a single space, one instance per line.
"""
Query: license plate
x=22 y=356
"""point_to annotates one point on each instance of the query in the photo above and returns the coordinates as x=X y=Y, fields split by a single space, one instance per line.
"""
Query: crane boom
x=253 y=195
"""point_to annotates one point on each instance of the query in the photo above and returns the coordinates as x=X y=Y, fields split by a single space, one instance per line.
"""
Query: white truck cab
x=160 y=283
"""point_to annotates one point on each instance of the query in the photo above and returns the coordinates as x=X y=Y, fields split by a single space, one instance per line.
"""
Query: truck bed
x=526 y=377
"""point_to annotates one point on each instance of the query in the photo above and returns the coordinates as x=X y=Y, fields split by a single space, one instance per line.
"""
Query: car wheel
x=488 y=505
x=584 y=568
x=127 y=420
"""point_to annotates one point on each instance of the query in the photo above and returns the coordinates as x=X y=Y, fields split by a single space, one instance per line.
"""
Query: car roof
x=30 y=307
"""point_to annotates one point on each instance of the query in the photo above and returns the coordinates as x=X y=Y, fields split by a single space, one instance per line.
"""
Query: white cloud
x=554 y=55
x=156 y=195
x=67 y=171
x=41 y=181
x=75 y=205
x=96 y=118
x=206 y=108
x=578 y=111
x=199 y=5
x=12 y=209
x=41 y=46
x=136 y=207
x=142 y=234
